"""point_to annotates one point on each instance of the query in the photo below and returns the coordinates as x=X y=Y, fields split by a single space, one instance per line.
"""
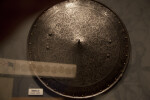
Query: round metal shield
x=85 y=33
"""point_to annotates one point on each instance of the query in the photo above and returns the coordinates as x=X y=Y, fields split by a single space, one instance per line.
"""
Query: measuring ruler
x=31 y=68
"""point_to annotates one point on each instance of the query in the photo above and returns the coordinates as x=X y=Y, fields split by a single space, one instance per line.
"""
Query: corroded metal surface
x=85 y=33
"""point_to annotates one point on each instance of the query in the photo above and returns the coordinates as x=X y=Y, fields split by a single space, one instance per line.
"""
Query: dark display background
x=17 y=17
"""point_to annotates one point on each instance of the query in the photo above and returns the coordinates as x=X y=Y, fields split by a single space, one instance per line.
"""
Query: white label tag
x=33 y=91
